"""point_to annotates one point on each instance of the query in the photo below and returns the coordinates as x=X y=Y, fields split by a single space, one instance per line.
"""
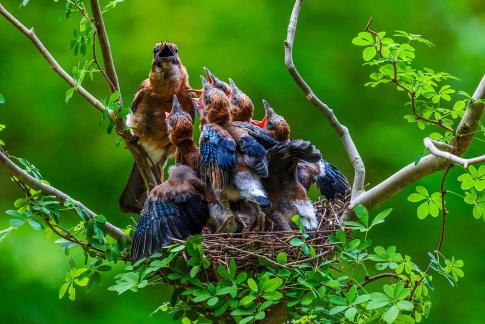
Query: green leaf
x=415 y=197
x=35 y=225
x=194 y=271
x=16 y=222
x=296 y=242
x=405 y=305
x=246 y=300
x=246 y=320
x=273 y=295
x=64 y=288
x=281 y=258
x=423 y=210
x=363 y=39
x=362 y=214
x=212 y=301
x=391 y=314
x=350 y=313
x=381 y=217
x=252 y=285
x=272 y=284
x=114 y=96
x=337 y=309
x=2 y=99
x=369 y=53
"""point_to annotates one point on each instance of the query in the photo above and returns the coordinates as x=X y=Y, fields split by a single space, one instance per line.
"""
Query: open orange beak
x=197 y=92
x=261 y=123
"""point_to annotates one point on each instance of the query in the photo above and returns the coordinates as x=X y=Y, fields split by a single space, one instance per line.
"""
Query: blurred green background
x=243 y=40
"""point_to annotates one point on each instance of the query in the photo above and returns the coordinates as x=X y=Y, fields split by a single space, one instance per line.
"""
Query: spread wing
x=258 y=134
x=165 y=219
x=218 y=155
x=254 y=155
x=331 y=182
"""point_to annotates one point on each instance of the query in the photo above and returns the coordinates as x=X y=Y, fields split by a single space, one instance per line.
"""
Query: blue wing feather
x=216 y=148
x=165 y=219
x=254 y=155
x=331 y=182
x=258 y=134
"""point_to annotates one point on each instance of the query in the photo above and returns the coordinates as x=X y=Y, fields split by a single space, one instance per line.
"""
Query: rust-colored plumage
x=168 y=77
x=242 y=107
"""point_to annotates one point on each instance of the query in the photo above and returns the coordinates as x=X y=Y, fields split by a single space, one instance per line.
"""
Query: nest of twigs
x=251 y=249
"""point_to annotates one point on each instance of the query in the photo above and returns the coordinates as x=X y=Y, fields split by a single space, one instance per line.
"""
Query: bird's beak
x=267 y=108
x=209 y=74
x=197 y=92
x=261 y=123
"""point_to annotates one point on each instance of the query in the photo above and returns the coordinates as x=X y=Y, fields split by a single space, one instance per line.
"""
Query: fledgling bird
x=168 y=77
x=174 y=209
x=250 y=159
x=242 y=107
x=180 y=132
x=329 y=180
x=287 y=194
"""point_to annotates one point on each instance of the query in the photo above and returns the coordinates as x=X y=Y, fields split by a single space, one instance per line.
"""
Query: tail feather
x=331 y=182
x=134 y=194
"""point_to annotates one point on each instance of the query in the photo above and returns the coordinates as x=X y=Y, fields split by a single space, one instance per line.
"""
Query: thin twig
x=52 y=61
x=341 y=130
x=432 y=147
x=430 y=163
x=370 y=279
x=412 y=93
x=105 y=46
x=32 y=182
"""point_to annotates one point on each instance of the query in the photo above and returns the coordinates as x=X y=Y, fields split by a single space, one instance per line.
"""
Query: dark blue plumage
x=217 y=148
x=173 y=210
x=258 y=133
x=254 y=155
x=331 y=182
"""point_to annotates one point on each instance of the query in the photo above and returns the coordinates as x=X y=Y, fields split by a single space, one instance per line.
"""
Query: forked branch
x=433 y=148
x=341 y=130
x=430 y=163
x=136 y=150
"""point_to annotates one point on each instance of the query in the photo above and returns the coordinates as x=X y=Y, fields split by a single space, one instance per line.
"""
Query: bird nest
x=252 y=249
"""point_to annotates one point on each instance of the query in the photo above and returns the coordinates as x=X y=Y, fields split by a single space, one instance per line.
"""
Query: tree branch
x=430 y=163
x=52 y=61
x=105 y=46
x=432 y=147
x=341 y=130
x=136 y=150
x=32 y=182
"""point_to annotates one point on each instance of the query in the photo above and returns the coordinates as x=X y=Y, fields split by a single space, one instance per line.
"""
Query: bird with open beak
x=168 y=77
x=250 y=166
x=242 y=107
x=329 y=180
x=175 y=209
x=180 y=132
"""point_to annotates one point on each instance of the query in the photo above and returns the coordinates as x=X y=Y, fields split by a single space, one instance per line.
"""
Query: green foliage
x=430 y=204
x=325 y=291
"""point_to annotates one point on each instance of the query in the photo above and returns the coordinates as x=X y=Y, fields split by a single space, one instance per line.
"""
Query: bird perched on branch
x=168 y=77
x=250 y=162
x=329 y=180
x=174 y=209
